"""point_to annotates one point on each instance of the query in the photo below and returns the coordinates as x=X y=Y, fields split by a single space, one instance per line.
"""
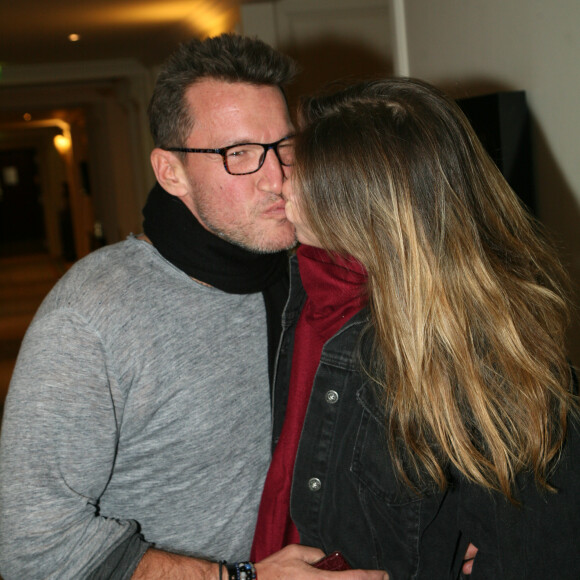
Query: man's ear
x=169 y=172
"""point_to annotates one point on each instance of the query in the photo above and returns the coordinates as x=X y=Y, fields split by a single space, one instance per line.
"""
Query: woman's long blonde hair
x=466 y=297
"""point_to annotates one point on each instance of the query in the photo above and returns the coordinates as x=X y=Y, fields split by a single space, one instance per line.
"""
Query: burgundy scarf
x=335 y=290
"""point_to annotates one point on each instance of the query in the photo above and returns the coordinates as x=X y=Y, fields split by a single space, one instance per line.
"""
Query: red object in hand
x=334 y=562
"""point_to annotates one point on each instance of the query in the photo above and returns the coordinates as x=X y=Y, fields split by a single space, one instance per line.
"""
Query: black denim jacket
x=345 y=495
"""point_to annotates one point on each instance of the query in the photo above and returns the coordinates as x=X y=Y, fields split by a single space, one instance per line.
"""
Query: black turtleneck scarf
x=182 y=240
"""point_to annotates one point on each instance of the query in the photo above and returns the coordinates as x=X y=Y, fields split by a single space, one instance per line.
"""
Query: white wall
x=532 y=45
x=476 y=46
x=331 y=39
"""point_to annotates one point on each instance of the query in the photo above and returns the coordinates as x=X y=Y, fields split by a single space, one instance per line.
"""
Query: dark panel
x=502 y=122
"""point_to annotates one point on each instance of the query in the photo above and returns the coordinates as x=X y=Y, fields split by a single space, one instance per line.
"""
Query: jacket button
x=331 y=397
x=314 y=484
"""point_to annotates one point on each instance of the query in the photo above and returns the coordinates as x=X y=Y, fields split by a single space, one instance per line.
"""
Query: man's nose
x=271 y=173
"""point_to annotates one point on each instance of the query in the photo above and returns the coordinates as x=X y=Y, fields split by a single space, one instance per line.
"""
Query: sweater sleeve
x=57 y=452
x=122 y=561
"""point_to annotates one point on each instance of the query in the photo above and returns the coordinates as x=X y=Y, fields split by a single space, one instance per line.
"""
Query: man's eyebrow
x=249 y=141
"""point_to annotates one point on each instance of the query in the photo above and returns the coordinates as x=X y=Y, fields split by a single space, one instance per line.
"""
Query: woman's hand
x=468 y=559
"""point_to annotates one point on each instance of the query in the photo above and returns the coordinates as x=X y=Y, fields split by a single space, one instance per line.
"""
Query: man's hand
x=295 y=562
x=291 y=562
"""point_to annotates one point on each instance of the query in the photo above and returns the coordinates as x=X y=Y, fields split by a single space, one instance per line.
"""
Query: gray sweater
x=139 y=402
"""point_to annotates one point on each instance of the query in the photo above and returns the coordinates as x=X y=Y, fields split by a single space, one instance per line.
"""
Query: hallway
x=25 y=279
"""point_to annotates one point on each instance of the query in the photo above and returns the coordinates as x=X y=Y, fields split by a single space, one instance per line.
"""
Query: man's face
x=246 y=210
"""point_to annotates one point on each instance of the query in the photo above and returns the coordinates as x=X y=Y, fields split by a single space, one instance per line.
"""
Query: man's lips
x=276 y=209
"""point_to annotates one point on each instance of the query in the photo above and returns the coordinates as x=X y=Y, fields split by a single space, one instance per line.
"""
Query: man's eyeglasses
x=246 y=158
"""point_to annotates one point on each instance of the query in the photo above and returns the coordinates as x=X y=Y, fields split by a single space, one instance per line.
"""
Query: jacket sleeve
x=538 y=538
x=57 y=451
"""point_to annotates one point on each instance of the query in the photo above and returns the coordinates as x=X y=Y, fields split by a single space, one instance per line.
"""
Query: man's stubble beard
x=241 y=237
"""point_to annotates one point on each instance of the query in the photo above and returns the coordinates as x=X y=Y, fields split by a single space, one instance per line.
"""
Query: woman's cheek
x=290 y=212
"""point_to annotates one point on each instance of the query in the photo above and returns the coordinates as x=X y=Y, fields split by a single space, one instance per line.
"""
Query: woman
x=423 y=353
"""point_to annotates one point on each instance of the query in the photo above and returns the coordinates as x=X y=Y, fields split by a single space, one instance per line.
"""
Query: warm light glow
x=206 y=17
x=27 y=117
x=62 y=143
x=74 y=37
x=211 y=21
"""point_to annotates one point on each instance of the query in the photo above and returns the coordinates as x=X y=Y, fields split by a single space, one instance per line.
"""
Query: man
x=136 y=433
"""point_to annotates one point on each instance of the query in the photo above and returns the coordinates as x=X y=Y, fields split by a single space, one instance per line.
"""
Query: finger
x=359 y=575
x=306 y=553
x=467 y=567
x=471 y=552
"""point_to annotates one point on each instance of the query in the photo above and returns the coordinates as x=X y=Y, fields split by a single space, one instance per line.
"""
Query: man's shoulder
x=113 y=264
x=118 y=255
x=104 y=276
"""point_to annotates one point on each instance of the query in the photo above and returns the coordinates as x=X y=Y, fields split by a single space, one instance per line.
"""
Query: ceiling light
x=62 y=143
x=205 y=17
x=74 y=37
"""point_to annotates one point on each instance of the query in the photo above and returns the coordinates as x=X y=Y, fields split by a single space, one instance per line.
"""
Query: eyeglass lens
x=249 y=158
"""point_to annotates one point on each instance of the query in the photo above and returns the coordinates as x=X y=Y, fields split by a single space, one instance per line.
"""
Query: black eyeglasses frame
x=223 y=152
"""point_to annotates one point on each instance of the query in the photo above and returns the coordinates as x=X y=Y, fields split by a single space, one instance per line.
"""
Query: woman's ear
x=169 y=172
